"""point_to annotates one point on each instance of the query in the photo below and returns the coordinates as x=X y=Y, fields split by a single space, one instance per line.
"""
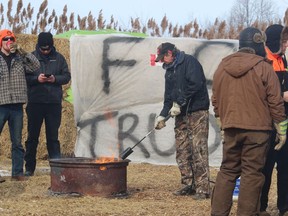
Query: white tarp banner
x=118 y=91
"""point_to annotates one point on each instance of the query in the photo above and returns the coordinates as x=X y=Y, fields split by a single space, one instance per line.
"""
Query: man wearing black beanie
x=45 y=39
x=276 y=44
x=44 y=100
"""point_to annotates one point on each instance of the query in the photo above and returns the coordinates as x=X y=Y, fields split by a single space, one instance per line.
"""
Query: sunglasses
x=8 y=39
x=45 y=48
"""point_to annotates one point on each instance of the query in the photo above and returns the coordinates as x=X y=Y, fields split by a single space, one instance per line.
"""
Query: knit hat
x=6 y=33
x=163 y=49
x=45 y=39
x=273 y=33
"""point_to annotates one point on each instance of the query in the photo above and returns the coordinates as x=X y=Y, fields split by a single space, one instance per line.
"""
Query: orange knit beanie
x=6 y=33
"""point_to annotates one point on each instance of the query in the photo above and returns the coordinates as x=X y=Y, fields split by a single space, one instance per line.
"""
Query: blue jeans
x=13 y=113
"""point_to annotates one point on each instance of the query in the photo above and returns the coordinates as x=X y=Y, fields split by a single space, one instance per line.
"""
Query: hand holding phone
x=47 y=75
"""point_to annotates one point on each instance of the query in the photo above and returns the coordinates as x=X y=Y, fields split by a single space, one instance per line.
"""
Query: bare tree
x=247 y=12
x=266 y=11
x=285 y=19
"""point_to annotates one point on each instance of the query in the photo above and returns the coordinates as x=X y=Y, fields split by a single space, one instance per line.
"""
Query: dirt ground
x=149 y=187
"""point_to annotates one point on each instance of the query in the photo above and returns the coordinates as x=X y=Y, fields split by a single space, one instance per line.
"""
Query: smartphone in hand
x=47 y=75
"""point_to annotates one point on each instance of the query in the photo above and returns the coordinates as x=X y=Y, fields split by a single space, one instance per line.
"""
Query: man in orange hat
x=15 y=63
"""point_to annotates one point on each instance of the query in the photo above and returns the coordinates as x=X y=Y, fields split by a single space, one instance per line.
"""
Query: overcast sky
x=178 y=12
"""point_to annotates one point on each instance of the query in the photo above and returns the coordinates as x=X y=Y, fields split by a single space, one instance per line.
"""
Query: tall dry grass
x=25 y=21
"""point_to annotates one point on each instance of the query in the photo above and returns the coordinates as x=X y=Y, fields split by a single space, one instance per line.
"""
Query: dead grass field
x=149 y=186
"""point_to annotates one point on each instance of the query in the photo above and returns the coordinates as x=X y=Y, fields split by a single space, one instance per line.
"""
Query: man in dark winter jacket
x=186 y=98
x=45 y=100
x=247 y=101
x=276 y=45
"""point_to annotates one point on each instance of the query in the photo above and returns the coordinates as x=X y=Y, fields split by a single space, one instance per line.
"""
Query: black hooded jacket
x=55 y=64
x=185 y=83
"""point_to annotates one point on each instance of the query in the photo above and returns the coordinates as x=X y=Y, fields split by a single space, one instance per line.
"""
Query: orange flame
x=103 y=160
x=106 y=160
x=103 y=168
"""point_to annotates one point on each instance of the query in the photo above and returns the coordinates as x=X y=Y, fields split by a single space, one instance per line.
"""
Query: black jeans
x=36 y=114
x=281 y=159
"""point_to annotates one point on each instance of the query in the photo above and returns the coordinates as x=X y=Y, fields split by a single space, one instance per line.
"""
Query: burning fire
x=102 y=168
x=102 y=160
x=106 y=160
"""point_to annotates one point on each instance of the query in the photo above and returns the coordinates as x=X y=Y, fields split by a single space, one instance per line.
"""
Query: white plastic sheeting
x=117 y=94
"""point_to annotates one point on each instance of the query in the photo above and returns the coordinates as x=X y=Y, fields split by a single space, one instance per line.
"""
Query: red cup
x=9 y=44
x=152 y=59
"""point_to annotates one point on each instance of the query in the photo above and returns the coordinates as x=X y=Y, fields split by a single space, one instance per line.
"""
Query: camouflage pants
x=191 y=134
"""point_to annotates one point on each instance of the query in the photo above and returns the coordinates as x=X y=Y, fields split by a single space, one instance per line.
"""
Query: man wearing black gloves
x=186 y=98
x=45 y=100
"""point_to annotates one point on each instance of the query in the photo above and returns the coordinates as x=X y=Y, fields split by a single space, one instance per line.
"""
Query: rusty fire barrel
x=86 y=177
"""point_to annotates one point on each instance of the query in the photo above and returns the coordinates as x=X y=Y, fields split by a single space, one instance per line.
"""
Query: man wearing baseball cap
x=186 y=98
x=163 y=49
